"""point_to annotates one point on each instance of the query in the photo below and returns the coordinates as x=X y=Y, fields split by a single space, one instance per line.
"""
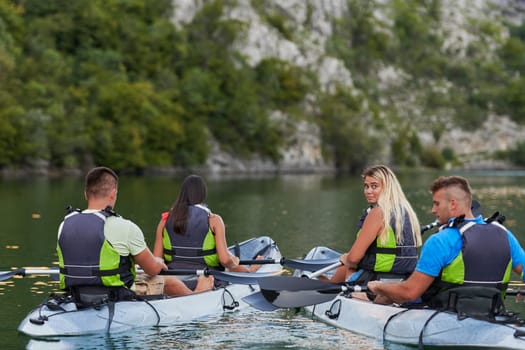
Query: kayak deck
x=410 y=327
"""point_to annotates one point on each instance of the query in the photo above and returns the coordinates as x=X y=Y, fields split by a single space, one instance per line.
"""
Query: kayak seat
x=96 y=296
x=253 y=247
x=473 y=301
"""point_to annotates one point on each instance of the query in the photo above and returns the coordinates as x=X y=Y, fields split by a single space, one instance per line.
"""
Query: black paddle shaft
x=306 y=265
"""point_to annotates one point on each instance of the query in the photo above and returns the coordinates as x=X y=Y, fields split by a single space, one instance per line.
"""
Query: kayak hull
x=405 y=326
x=131 y=314
x=64 y=319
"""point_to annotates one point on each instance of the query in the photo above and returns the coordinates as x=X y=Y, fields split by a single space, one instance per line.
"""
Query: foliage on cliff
x=115 y=82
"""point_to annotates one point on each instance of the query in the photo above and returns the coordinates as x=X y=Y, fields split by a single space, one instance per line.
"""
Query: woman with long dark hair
x=190 y=236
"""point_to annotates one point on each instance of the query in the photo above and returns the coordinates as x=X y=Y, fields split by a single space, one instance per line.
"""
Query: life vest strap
x=177 y=252
x=92 y=271
x=384 y=250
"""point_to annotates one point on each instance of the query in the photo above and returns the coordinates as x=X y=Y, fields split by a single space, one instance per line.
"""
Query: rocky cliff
x=312 y=24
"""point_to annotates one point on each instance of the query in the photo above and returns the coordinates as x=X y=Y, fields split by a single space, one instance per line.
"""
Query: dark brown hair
x=451 y=181
x=100 y=181
x=193 y=191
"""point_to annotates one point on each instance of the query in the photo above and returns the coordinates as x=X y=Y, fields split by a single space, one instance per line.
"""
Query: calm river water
x=298 y=212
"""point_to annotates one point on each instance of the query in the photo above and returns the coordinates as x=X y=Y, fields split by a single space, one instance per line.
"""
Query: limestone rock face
x=310 y=24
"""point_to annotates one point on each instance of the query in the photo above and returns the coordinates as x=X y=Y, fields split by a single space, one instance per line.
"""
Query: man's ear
x=453 y=204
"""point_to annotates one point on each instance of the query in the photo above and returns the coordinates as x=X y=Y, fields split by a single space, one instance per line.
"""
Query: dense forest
x=116 y=82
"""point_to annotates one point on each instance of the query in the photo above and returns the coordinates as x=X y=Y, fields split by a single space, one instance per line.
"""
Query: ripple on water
x=240 y=330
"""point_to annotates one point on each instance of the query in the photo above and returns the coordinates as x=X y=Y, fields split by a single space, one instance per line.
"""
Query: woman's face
x=372 y=189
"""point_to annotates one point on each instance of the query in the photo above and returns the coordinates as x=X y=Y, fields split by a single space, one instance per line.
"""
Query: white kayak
x=422 y=327
x=54 y=318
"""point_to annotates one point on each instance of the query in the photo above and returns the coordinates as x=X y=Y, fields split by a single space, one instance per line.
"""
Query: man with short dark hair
x=467 y=252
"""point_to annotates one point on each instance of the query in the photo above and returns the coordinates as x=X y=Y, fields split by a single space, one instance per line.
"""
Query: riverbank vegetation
x=115 y=82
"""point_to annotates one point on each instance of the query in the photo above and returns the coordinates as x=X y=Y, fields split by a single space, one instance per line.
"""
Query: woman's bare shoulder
x=376 y=210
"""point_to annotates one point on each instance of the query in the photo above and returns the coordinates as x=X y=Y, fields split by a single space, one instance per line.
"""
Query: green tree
x=344 y=131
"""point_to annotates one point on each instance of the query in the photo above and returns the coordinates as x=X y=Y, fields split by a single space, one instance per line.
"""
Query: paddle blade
x=8 y=274
x=300 y=298
x=257 y=301
x=290 y=283
x=288 y=292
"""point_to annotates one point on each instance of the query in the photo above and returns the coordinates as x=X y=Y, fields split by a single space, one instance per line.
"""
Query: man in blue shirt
x=445 y=259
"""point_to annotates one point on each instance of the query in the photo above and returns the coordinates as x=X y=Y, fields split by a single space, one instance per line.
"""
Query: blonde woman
x=388 y=233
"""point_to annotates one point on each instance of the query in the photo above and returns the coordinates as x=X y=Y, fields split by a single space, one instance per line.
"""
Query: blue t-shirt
x=443 y=247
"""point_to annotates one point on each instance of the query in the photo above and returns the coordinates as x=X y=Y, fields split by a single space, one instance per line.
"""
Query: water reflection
x=243 y=330
x=4 y=285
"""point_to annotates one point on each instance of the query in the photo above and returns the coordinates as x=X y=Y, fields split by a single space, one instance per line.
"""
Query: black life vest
x=196 y=247
x=86 y=258
x=483 y=264
x=390 y=257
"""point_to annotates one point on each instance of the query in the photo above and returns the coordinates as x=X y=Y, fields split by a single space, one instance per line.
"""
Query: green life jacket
x=474 y=283
x=389 y=256
x=484 y=260
x=195 y=248
x=86 y=258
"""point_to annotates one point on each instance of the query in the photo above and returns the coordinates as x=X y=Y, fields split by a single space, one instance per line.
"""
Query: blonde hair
x=393 y=202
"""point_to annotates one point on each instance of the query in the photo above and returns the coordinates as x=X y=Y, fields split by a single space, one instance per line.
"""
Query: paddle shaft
x=324 y=270
x=232 y=277
x=516 y=292
x=5 y=275
x=259 y=262
x=307 y=265
x=429 y=226
x=54 y=271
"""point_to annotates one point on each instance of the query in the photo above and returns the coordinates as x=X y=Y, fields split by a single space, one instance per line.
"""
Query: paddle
x=323 y=270
x=289 y=292
x=516 y=292
x=5 y=275
x=307 y=265
x=232 y=277
x=258 y=301
x=429 y=226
